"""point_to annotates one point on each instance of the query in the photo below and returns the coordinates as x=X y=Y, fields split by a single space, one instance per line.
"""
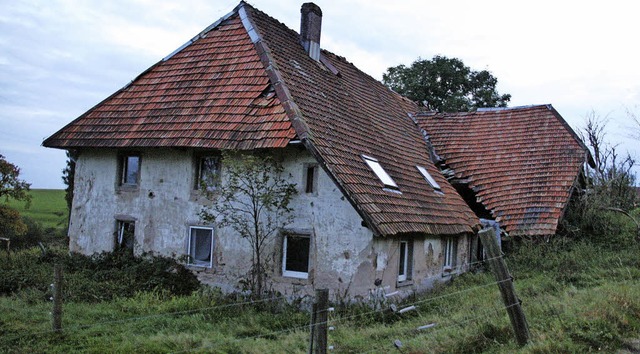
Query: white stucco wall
x=345 y=257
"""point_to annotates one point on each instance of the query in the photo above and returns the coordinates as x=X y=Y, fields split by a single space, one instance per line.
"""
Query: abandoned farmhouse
x=386 y=192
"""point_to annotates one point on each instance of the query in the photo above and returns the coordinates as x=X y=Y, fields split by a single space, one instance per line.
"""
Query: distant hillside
x=47 y=207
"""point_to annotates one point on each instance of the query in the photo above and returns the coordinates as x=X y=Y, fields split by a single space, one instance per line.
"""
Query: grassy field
x=576 y=300
x=48 y=207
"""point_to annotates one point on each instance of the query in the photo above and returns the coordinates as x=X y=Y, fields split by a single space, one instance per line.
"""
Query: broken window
x=208 y=173
x=129 y=170
x=405 y=267
x=295 y=256
x=125 y=235
x=311 y=178
x=450 y=255
x=427 y=176
x=201 y=246
x=382 y=175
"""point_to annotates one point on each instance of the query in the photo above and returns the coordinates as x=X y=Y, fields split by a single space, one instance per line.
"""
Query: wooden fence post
x=319 y=319
x=505 y=283
x=57 y=298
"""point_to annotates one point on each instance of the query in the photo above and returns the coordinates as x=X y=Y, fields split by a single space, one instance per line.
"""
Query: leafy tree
x=12 y=187
x=254 y=201
x=445 y=84
x=68 y=176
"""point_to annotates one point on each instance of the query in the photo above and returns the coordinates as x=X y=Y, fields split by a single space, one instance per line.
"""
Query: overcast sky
x=58 y=58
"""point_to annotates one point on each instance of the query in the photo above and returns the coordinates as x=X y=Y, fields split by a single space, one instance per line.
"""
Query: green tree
x=445 y=84
x=68 y=176
x=12 y=187
x=253 y=200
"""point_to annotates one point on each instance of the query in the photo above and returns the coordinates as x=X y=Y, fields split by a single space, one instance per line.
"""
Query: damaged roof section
x=521 y=162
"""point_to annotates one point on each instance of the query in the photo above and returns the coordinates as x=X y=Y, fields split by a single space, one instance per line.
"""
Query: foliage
x=599 y=211
x=254 y=201
x=100 y=277
x=68 y=177
x=10 y=185
x=445 y=84
x=11 y=225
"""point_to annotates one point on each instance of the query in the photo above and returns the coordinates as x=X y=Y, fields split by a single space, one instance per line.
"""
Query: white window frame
x=427 y=176
x=403 y=263
x=121 y=226
x=191 y=257
x=450 y=253
x=293 y=273
x=380 y=172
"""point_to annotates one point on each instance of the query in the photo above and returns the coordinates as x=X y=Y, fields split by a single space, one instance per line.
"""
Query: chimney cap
x=311 y=7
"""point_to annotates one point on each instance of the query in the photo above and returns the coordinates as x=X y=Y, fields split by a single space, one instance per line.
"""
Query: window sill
x=404 y=283
x=448 y=272
x=128 y=188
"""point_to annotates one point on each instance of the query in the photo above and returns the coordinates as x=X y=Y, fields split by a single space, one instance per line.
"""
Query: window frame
x=450 y=255
x=191 y=257
x=199 y=159
x=119 y=237
x=429 y=178
x=294 y=273
x=405 y=261
x=310 y=180
x=380 y=172
x=123 y=169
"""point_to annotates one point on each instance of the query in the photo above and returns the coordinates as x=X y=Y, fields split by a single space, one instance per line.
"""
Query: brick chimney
x=310 y=24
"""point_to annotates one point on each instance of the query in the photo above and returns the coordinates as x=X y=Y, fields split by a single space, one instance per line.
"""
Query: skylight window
x=380 y=172
x=429 y=178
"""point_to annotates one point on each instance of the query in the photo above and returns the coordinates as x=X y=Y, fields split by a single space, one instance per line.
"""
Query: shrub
x=95 y=278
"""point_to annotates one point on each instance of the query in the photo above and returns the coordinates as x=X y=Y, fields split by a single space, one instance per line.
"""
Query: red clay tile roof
x=521 y=162
x=345 y=116
x=210 y=95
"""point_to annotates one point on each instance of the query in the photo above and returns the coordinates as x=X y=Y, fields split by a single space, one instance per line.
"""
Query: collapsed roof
x=521 y=162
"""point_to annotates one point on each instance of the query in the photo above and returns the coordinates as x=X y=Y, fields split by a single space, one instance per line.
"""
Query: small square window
x=201 y=246
x=405 y=266
x=311 y=179
x=129 y=170
x=207 y=173
x=427 y=176
x=125 y=235
x=295 y=256
x=384 y=177
x=450 y=255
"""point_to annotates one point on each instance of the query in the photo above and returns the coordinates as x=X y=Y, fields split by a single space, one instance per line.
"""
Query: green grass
x=577 y=298
x=48 y=207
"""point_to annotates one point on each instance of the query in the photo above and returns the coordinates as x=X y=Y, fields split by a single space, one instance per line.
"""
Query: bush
x=95 y=278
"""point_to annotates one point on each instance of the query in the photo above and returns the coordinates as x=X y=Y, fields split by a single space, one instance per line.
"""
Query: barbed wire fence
x=327 y=319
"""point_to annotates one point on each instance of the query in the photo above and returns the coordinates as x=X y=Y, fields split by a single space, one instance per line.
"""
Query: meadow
x=48 y=207
x=578 y=295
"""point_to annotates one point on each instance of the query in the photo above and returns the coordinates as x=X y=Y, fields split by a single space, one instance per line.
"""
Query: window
x=129 y=170
x=125 y=235
x=380 y=172
x=450 y=254
x=405 y=266
x=201 y=246
x=310 y=179
x=429 y=178
x=295 y=256
x=208 y=172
